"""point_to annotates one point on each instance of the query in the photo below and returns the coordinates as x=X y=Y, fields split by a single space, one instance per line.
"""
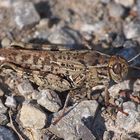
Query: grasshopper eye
x=118 y=68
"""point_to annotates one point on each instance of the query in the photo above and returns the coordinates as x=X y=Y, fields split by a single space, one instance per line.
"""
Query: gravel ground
x=109 y=26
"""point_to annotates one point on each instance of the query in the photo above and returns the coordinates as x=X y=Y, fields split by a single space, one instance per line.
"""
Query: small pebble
x=138 y=8
x=128 y=106
x=10 y=102
x=98 y=28
x=132 y=29
x=32 y=117
x=64 y=36
x=25 y=14
x=25 y=88
x=3 y=109
x=136 y=86
x=115 y=89
x=126 y=3
x=115 y=10
x=118 y=41
x=3 y=119
x=50 y=100
x=130 y=123
x=107 y=135
x=138 y=108
x=130 y=44
x=5 y=42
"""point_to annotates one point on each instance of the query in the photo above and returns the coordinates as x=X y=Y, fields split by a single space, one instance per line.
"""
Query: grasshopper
x=62 y=69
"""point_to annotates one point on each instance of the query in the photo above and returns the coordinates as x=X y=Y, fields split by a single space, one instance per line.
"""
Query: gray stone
x=105 y=1
x=7 y=134
x=97 y=28
x=50 y=100
x=126 y=3
x=3 y=109
x=64 y=36
x=25 y=88
x=25 y=14
x=130 y=44
x=132 y=29
x=130 y=123
x=115 y=10
x=75 y=11
x=118 y=41
x=69 y=126
x=138 y=108
x=138 y=7
x=85 y=133
x=32 y=117
x=3 y=119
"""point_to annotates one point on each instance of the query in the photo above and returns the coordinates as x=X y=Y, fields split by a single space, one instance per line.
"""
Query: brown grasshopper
x=64 y=70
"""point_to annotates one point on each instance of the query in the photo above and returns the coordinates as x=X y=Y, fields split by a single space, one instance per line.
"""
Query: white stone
x=126 y=3
x=136 y=86
x=5 y=42
x=130 y=123
x=132 y=30
x=10 y=102
x=31 y=117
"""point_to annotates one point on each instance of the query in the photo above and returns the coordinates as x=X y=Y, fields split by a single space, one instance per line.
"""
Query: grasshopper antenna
x=135 y=67
x=133 y=58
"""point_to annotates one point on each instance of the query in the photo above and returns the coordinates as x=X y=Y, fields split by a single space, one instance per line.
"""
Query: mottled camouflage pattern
x=64 y=69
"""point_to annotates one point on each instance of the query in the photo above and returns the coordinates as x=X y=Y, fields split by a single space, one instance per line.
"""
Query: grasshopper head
x=118 y=68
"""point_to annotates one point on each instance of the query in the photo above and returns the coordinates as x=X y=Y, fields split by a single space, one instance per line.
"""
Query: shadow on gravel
x=96 y=125
x=43 y=8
